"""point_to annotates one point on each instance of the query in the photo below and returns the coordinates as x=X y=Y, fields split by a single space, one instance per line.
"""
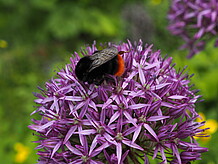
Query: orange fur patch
x=121 y=66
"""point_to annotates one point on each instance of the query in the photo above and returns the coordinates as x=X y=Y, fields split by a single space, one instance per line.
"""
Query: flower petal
x=151 y=131
x=132 y=144
x=119 y=152
x=73 y=149
x=69 y=133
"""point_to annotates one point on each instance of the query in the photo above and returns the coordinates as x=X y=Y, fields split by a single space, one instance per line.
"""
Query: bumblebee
x=93 y=68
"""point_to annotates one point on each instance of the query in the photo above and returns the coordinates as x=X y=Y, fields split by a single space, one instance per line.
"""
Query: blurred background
x=37 y=37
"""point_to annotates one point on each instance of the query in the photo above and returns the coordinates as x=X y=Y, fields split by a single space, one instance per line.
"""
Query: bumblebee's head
x=82 y=68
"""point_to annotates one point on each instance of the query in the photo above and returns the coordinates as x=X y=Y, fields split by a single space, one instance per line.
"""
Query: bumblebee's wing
x=101 y=57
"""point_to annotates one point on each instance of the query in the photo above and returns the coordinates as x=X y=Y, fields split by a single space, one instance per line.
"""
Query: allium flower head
x=196 y=21
x=149 y=111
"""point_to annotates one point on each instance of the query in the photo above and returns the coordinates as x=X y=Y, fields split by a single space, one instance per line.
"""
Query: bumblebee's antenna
x=122 y=52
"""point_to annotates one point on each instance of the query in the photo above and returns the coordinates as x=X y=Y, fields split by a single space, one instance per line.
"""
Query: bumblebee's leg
x=96 y=76
x=90 y=80
x=98 y=81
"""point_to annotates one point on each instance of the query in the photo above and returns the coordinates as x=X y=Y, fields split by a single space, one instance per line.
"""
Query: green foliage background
x=42 y=34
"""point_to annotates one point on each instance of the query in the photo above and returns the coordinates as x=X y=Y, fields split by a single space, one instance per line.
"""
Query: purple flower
x=149 y=111
x=195 y=21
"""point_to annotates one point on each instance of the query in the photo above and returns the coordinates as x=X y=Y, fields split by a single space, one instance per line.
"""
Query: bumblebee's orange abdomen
x=121 y=66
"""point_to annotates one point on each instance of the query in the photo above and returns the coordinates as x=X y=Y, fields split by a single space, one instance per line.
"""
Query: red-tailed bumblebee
x=93 y=68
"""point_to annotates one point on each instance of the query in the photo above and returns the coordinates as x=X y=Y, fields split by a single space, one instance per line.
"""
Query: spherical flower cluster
x=196 y=21
x=149 y=111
